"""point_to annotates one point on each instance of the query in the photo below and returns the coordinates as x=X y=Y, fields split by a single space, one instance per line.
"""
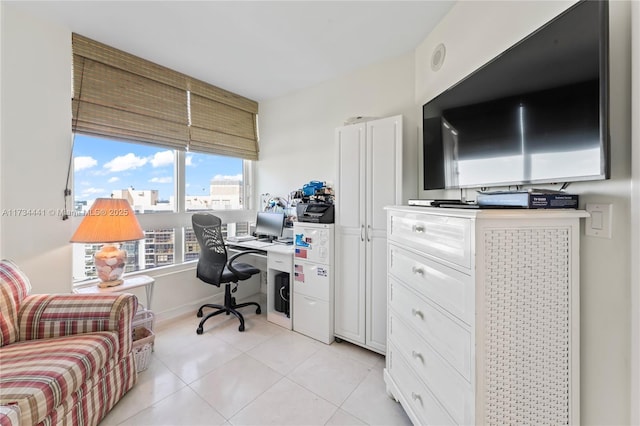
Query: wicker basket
x=143 y=339
x=144 y=318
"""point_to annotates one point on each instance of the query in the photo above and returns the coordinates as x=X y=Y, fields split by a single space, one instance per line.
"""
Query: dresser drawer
x=420 y=399
x=449 y=288
x=447 y=238
x=449 y=387
x=449 y=339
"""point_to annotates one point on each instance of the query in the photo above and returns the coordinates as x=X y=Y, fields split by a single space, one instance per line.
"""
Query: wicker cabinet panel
x=527 y=326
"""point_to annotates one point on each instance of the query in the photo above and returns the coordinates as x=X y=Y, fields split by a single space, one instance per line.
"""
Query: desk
x=279 y=259
x=129 y=283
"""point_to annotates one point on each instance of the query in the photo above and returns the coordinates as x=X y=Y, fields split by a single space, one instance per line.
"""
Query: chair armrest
x=232 y=259
x=44 y=316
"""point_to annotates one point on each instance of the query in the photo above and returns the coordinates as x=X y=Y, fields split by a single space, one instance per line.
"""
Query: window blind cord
x=67 y=190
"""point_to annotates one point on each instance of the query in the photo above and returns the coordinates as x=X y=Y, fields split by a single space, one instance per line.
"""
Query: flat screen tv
x=537 y=113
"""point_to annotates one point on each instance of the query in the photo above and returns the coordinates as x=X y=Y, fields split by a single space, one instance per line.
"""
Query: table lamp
x=110 y=221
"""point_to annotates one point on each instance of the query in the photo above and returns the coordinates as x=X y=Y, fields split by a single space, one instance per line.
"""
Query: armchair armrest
x=43 y=316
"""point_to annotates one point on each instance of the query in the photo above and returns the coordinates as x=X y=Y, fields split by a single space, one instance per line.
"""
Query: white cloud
x=92 y=191
x=113 y=179
x=81 y=163
x=162 y=158
x=167 y=179
x=125 y=162
x=227 y=177
x=188 y=161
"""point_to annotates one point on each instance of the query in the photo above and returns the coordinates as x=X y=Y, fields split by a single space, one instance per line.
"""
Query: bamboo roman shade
x=118 y=95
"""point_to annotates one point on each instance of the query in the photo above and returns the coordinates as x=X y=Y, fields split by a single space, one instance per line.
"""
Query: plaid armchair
x=65 y=359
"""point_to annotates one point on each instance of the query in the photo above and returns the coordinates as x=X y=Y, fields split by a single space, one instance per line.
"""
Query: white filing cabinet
x=313 y=280
x=483 y=316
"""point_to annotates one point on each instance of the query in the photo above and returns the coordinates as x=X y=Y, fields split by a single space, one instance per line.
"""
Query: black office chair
x=214 y=267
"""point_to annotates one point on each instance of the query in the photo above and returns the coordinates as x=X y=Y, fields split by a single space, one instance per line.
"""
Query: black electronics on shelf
x=282 y=294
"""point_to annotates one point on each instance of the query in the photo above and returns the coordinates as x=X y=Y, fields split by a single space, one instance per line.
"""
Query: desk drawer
x=449 y=387
x=417 y=395
x=447 y=238
x=447 y=287
x=448 y=338
x=280 y=261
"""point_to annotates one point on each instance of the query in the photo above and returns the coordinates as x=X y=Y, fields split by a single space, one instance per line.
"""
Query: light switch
x=598 y=224
x=596 y=220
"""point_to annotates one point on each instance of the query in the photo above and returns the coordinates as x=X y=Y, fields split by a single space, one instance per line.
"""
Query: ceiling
x=258 y=49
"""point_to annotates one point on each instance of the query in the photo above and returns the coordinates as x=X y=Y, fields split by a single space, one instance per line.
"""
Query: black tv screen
x=538 y=113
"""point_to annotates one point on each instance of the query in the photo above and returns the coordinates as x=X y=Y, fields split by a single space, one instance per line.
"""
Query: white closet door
x=350 y=234
x=383 y=188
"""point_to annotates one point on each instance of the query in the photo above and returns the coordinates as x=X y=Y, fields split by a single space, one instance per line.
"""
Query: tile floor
x=266 y=375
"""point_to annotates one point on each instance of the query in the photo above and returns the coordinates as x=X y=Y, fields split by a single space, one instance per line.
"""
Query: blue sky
x=102 y=165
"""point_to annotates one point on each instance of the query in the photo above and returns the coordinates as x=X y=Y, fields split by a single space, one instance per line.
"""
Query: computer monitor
x=269 y=224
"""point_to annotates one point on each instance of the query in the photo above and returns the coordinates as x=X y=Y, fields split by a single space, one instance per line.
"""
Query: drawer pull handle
x=417 y=271
x=417 y=313
x=419 y=229
x=416 y=397
x=417 y=355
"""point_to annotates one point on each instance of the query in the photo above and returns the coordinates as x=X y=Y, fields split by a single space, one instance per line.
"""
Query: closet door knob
x=417 y=270
x=417 y=313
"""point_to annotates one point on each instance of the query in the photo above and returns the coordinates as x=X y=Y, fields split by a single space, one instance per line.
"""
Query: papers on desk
x=241 y=238
x=256 y=244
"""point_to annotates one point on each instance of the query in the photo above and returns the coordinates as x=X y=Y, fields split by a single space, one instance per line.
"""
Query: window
x=205 y=190
x=176 y=129
x=142 y=174
x=147 y=177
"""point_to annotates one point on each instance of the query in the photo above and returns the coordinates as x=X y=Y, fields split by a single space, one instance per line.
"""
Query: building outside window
x=147 y=177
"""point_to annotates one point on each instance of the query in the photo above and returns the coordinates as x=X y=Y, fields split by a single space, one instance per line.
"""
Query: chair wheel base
x=199 y=314
x=199 y=330
x=258 y=310
x=241 y=328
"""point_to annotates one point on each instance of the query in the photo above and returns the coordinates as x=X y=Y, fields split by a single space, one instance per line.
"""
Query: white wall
x=35 y=146
x=297 y=130
x=489 y=28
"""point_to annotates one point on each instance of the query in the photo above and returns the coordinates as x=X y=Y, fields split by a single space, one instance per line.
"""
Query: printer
x=315 y=212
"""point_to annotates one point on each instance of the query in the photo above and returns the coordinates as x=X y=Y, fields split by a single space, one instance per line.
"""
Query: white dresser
x=483 y=315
